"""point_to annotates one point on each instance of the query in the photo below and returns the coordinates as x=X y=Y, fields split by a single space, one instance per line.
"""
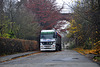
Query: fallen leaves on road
x=88 y=51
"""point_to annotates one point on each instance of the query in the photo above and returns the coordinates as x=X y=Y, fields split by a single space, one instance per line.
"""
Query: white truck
x=50 y=40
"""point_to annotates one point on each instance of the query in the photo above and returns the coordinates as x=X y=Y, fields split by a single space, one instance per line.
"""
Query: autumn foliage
x=85 y=26
x=46 y=12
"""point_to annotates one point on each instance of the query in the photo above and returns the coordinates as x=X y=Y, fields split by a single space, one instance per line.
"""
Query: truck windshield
x=47 y=35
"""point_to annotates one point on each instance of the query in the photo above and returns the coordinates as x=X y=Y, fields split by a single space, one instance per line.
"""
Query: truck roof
x=47 y=30
x=50 y=31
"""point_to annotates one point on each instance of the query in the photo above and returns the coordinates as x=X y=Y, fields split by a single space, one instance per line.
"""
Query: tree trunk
x=99 y=4
x=1 y=16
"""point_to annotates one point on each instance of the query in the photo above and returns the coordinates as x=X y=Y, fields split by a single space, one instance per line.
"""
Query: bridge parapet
x=66 y=16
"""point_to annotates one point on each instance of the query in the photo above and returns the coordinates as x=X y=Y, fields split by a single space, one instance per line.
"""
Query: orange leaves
x=80 y=37
x=75 y=27
x=80 y=50
x=87 y=51
x=97 y=47
x=95 y=50
x=92 y=51
x=97 y=43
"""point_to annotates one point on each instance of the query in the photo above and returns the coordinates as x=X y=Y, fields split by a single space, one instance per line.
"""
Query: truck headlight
x=41 y=46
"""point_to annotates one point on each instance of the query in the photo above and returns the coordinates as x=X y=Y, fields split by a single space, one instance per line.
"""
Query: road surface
x=66 y=58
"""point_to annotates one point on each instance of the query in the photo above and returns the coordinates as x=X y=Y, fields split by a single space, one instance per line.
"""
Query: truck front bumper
x=47 y=49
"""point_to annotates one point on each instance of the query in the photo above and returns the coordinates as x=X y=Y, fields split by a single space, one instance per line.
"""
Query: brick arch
x=66 y=16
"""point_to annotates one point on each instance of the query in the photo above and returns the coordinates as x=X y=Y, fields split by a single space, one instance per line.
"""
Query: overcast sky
x=66 y=9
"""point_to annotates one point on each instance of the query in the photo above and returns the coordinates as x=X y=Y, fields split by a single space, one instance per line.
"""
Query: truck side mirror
x=55 y=36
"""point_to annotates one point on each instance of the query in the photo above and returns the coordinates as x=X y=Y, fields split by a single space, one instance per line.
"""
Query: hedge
x=10 y=46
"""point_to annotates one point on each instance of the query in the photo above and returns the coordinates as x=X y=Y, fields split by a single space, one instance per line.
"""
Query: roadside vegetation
x=23 y=20
x=84 y=33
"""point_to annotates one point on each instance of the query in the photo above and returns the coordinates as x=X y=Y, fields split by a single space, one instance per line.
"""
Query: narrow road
x=66 y=58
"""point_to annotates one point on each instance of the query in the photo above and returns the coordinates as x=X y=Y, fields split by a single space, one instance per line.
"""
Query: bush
x=10 y=46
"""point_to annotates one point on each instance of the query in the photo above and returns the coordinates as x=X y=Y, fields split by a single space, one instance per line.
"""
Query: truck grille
x=47 y=43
